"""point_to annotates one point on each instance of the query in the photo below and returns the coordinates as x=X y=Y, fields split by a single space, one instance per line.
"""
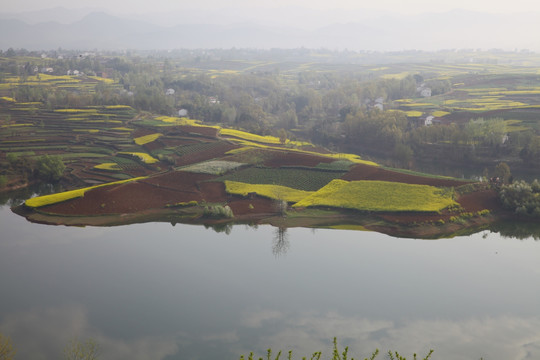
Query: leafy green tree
x=522 y=198
x=487 y=132
x=6 y=348
x=502 y=171
x=282 y=134
x=439 y=87
x=50 y=167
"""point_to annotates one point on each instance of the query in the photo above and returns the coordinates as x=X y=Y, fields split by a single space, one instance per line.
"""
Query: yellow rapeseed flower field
x=379 y=196
x=74 y=111
x=146 y=139
x=250 y=137
x=440 y=113
x=413 y=113
x=144 y=157
x=40 y=201
x=107 y=166
x=276 y=192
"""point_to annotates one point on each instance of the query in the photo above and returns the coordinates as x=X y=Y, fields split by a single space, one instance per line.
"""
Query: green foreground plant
x=336 y=355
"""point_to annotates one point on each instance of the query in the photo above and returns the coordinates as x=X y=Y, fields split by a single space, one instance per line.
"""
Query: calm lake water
x=154 y=291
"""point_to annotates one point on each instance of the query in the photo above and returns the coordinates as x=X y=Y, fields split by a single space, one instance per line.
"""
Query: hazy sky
x=399 y=6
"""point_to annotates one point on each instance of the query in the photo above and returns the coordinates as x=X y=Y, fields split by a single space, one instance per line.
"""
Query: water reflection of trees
x=220 y=227
x=517 y=229
x=280 y=242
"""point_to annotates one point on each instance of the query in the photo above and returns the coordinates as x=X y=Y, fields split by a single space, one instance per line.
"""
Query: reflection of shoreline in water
x=520 y=230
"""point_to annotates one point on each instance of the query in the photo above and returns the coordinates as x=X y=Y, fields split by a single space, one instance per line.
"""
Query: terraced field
x=122 y=163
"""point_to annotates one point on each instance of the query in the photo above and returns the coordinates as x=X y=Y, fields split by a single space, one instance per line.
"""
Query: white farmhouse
x=426 y=92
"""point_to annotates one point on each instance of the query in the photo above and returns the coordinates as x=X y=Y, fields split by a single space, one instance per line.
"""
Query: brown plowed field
x=178 y=180
x=155 y=192
x=173 y=142
x=154 y=145
x=368 y=172
x=208 y=154
x=158 y=192
x=142 y=132
x=281 y=158
x=480 y=200
x=123 y=198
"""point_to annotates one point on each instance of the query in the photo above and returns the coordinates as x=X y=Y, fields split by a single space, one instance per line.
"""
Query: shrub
x=218 y=211
x=521 y=197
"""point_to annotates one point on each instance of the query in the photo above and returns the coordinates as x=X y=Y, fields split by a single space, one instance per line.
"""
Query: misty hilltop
x=458 y=29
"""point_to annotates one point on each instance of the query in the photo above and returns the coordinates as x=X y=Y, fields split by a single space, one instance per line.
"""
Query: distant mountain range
x=456 y=29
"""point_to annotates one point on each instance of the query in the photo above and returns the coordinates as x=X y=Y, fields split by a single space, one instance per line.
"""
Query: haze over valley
x=278 y=27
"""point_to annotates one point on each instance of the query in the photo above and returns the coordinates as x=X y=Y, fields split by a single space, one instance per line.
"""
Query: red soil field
x=281 y=158
x=158 y=192
x=480 y=200
x=178 y=180
x=142 y=132
x=368 y=172
x=173 y=142
x=154 y=145
x=208 y=154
